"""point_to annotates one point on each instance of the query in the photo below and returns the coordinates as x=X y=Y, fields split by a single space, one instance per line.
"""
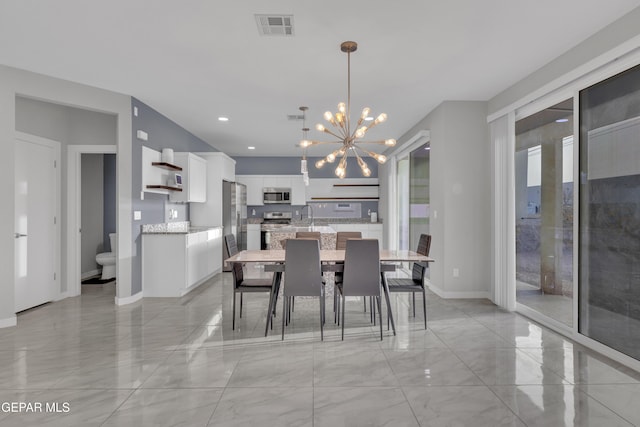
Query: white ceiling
x=194 y=60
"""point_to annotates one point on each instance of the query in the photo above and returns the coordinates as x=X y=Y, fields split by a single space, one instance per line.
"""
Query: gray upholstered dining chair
x=308 y=235
x=302 y=275
x=341 y=244
x=416 y=282
x=361 y=276
x=240 y=284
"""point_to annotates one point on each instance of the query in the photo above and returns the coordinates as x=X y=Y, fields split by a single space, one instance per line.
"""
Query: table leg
x=385 y=287
x=273 y=299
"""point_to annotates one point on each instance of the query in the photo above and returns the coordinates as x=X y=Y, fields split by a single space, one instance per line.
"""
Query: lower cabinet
x=253 y=237
x=369 y=231
x=174 y=264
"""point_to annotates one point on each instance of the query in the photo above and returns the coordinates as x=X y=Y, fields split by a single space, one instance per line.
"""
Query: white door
x=35 y=228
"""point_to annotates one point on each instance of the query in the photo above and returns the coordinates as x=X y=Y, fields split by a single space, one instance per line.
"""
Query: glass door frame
x=526 y=111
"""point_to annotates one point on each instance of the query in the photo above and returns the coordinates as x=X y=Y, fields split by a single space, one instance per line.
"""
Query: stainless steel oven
x=272 y=221
x=276 y=195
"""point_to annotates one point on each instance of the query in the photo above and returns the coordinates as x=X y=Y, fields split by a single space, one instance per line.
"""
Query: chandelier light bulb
x=319 y=127
x=328 y=116
x=340 y=118
x=320 y=163
x=365 y=113
x=390 y=142
x=361 y=132
x=366 y=172
x=381 y=118
x=342 y=107
x=331 y=158
x=381 y=158
x=340 y=172
x=306 y=143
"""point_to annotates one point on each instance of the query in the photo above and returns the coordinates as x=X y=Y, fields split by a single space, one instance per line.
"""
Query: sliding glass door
x=544 y=211
x=413 y=197
x=610 y=212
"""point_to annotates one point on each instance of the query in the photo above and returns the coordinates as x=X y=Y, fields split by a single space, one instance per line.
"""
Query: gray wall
x=460 y=195
x=163 y=133
x=92 y=212
x=291 y=166
x=109 y=204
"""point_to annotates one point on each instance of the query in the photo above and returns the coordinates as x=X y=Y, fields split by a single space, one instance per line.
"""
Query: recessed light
x=562 y=120
x=251 y=148
x=368 y=119
x=223 y=119
x=427 y=148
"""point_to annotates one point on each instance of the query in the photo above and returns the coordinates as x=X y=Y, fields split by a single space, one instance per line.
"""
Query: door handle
x=18 y=235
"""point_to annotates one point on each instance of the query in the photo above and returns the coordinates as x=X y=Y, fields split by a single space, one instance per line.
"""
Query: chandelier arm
x=333 y=134
x=370 y=142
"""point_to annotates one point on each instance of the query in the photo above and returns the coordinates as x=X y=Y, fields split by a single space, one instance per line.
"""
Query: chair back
x=343 y=236
x=232 y=249
x=308 y=235
x=230 y=241
x=302 y=276
x=419 y=268
x=361 y=268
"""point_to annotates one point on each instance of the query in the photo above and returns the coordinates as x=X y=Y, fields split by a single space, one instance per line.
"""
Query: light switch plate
x=137 y=215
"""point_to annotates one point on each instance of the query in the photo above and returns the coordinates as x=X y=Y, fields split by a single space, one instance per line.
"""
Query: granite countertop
x=180 y=227
x=292 y=229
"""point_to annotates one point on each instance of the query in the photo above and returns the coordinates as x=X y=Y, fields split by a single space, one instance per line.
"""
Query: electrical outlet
x=456 y=272
x=137 y=215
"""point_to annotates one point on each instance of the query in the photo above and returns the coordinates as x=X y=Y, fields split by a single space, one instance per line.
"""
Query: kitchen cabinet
x=194 y=177
x=219 y=167
x=253 y=237
x=173 y=264
x=254 y=184
x=298 y=191
x=369 y=231
x=343 y=189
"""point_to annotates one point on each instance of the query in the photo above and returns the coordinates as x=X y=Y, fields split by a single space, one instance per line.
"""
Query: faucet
x=310 y=213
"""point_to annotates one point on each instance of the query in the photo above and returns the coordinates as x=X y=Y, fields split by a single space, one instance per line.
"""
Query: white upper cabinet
x=298 y=190
x=219 y=167
x=194 y=178
x=254 y=185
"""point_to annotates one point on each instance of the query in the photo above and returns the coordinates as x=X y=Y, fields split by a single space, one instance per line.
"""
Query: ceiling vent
x=275 y=25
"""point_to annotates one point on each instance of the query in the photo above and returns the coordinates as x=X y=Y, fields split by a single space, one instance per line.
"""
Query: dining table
x=332 y=260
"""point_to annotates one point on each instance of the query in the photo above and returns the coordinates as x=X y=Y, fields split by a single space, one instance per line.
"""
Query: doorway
x=74 y=210
x=37 y=213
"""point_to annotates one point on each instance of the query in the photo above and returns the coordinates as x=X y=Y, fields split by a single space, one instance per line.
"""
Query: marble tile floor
x=176 y=361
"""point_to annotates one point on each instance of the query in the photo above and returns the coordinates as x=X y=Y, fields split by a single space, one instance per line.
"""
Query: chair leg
x=234 y=310
x=293 y=304
x=424 y=306
x=414 y=304
x=284 y=311
x=364 y=301
x=241 y=305
x=344 y=302
x=321 y=317
x=380 y=315
x=373 y=310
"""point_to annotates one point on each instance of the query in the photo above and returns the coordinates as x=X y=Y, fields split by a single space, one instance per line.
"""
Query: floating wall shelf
x=168 y=166
x=163 y=187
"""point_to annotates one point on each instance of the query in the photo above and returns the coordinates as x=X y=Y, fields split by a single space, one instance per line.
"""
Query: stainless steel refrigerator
x=234 y=215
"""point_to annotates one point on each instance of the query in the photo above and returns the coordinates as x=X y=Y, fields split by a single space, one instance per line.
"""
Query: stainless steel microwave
x=276 y=195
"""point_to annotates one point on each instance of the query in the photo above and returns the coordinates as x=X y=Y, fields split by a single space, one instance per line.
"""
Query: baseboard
x=457 y=295
x=62 y=295
x=9 y=322
x=129 y=300
x=90 y=274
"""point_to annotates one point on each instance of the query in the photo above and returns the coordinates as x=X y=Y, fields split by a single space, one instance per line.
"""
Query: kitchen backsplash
x=360 y=209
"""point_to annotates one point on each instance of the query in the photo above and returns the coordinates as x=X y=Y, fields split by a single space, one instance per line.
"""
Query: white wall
x=92 y=212
x=14 y=82
x=460 y=197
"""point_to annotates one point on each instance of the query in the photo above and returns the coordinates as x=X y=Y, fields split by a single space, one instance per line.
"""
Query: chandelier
x=349 y=137
x=303 y=163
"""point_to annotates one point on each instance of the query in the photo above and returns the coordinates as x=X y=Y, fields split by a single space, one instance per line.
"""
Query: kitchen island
x=177 y=258
x=327 y=236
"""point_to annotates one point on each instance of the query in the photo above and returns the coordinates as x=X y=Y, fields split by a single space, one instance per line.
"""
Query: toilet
x=108 y=259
